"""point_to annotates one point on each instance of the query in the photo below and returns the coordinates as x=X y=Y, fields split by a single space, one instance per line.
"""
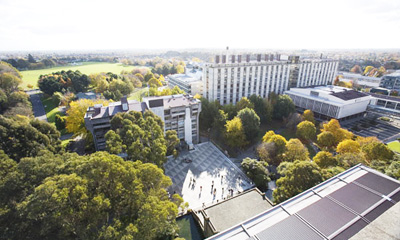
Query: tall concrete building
x=178 y=112
x=229 y=78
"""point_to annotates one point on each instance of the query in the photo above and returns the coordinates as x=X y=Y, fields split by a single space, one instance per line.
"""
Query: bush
x=60 y=122
x=386 y=119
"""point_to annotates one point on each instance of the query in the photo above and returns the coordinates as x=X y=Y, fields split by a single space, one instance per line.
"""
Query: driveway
x=37 y=106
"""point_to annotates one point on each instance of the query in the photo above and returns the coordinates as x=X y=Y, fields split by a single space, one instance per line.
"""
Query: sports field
x=32 y=76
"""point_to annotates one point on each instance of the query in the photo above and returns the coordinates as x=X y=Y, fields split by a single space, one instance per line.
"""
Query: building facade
x=363 y=81
x=391 y=81
x=230 y=79
x=178 y=112
x=190 y=84
x=330 y=101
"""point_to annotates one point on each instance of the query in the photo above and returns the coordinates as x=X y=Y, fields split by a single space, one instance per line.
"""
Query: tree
x=293 y=120
x=339 y=133
x=154 y=82
x=22 y=137
x=75 y=122
x=348 y=146
x=295 y=150
x=139 y=76
x=284 y=106
x=180 y=69
x=299 y=177
x=176 y=90
x=325 y=160
x=308 y=115
x=356 y=69
x=9 y=82
x=244 y=103
x=261 y=108
x=250 y=121
x=98 y=196
x=257 y=171
x=279 y=142
x=220 y=121
x=367 y=70
x=394 y=170
x=306 y=130
x=377 y=151
x=268 y=135
x=149 y=75
x=208 y=111
x=326 y=140
x=172 y=141
x=267 y=153
x=143 y=136
x=230 y=110
x=348 y=160
x=60 y=122
x=234 y=135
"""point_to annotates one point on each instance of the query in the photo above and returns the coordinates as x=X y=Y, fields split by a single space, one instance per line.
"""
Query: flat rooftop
x=185 y=78
x=171 y=101
x=235 y=210
x=335 y=209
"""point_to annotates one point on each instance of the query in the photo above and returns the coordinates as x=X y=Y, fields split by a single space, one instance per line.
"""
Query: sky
x=35 y=25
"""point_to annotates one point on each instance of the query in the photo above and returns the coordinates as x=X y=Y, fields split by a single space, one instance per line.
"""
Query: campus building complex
x=190 y=84
x=179 y=113
x=229 y=78
x=358 y=79
x=330 y=101
x=391 y=81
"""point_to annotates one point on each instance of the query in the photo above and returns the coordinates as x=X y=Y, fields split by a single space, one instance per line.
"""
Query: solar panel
x=376 y=212
x=378 y=183
x=351 y=231
x=326 y=216
x=360 y=200
x=298 y=230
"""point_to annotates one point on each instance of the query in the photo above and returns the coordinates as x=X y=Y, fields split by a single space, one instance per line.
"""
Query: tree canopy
x=306 y=130
x=140 y=136
x=283 y=107
x=299 y=176
x=24 y=137
x=257 y=171
x=295 y=150
x=98 y=196
x=250 y=121
x=235 y=135
x=63 y=81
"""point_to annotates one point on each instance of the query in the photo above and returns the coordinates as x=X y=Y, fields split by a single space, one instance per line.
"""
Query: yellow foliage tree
x=295 y=150
x=348 y=146
x=234 y=135
x=74 y=121
x=339 y=133
x=268 y=135
x=180 y=69
x=309 y=116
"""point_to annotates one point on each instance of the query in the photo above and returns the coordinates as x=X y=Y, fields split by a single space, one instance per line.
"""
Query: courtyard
x=205 y=176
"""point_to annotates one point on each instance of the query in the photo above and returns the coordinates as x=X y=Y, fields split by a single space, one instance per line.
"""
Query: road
x=37 y=106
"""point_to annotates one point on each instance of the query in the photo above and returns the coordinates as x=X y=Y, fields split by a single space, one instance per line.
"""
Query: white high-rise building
x=229 y=78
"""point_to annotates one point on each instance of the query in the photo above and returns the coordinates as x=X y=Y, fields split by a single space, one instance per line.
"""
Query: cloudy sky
x=140 y=24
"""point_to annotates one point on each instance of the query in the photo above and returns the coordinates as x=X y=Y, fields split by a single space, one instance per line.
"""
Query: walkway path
x=208 y=164
x=37 y=106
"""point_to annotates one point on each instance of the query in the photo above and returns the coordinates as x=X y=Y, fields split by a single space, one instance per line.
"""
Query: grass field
x=394 y=146
x=51 y=109
x=32 y=76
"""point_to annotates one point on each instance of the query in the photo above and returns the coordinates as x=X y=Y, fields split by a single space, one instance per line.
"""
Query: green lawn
x=394 y=146
x=137 y=94
x=32 y=76
x=51 y=109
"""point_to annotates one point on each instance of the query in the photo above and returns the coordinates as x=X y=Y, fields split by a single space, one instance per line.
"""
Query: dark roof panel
x=349 y=95
x=326 y=216
x=361 y=199
x=351 y=231
x=297 y=230
x=376 y=212
x=378 y=183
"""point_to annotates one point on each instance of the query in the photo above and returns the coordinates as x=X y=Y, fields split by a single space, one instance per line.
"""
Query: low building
x=358 y=79
x=190 y=84
x=338 y=208
x=87 y=95
x=234 y=210
x=391 y=81
x=179 y=113
x=330 y=101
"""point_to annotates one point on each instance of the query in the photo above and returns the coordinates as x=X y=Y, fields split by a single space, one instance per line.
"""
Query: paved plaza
x=205 y=165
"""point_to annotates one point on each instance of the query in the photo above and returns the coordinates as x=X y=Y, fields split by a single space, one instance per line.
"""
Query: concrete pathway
x=37 y=106
x=211 y=171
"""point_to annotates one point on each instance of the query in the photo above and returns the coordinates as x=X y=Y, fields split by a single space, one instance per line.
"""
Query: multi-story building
x=363 y=81
x=230 y=79
x=179 y=113
x=190 y=84
x=330 y=101
x=391 y=81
